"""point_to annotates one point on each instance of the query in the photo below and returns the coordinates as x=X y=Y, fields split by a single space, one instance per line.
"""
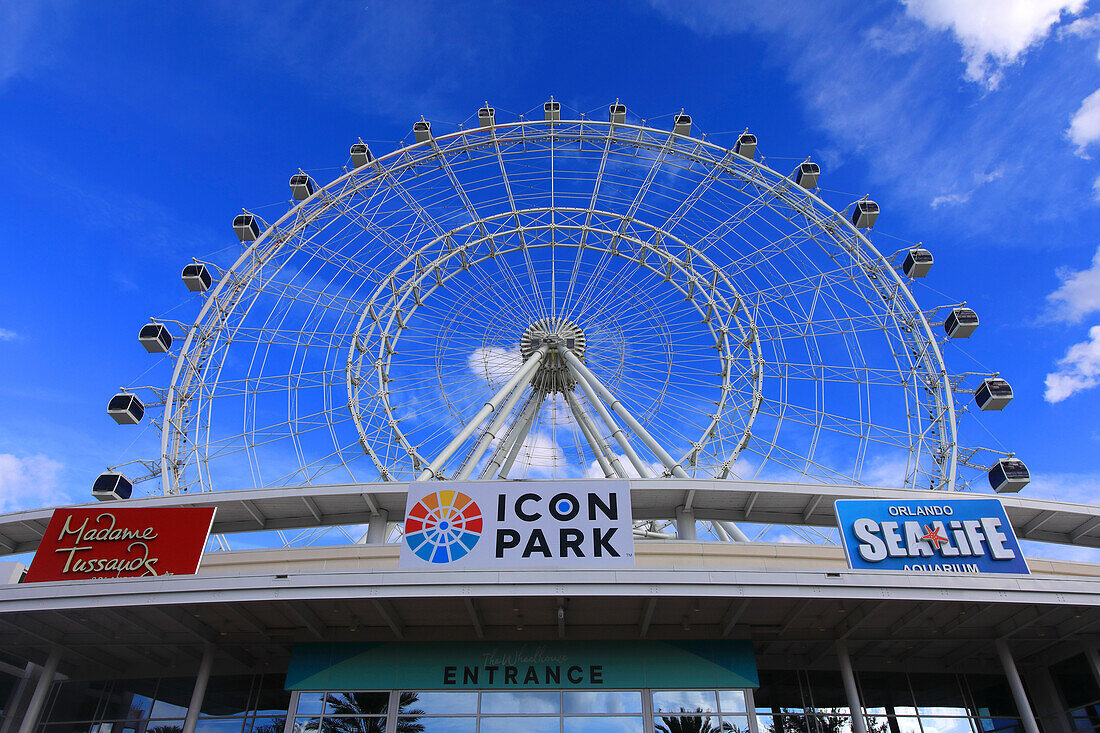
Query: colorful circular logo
x=443 y=526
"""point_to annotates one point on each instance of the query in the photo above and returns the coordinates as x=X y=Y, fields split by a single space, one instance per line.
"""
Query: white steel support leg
x=198 y=693
x=41 y=689
x=594 y=439
x=859 y=724
x=521 y=436
x=733 y=531
x=494 y=427
x=616 y=432
x=515 y=436
x=1017 y=686
x=525 y=372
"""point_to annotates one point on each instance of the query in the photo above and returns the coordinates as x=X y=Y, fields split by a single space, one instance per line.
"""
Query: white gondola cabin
x=361 y=155
x=617 y=113
x=301 y=186
x=126 y=409
x=807 y=175
x=551 y=111
x=994 y=394
x=155 y=338
x=112 y=486
x=487 y=116
x=746 y=145
x=865 y=214
x=246 y=227
x=196 y=277
x=1008 y=476
x=917 y=263
x=681 y=125
x=422 y=131
x=960 y=323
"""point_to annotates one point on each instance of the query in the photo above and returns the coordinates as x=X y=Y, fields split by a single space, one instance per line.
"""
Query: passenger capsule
x=917 y=263
x=865 y=214
x=196 y=277
x=551 y=111
x=960 y=323
x=422 y=131
x=155 y=338
x=1008 y=476
x=361 y=155
x=301 y=186
x=617 y=113
x=807 y=175
x=487 y=116
x=126 y=409
x=681 y=125
x=994 y=394
x=746 y=145
x=110 y=486
x=246 y=227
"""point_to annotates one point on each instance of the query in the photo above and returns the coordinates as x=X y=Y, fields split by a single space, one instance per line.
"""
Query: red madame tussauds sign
x=84 y=543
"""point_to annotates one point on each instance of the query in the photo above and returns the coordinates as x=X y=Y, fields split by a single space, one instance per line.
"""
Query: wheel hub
x=553 y=375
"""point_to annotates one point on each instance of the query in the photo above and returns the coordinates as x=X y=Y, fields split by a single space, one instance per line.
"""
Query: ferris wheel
x=561 y=295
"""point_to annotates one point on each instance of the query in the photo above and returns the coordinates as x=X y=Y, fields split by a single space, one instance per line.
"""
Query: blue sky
x=131 y=134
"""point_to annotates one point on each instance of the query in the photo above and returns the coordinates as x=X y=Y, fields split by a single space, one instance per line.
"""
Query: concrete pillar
x=1017 y=687
x=859 y=723
x=1049 y=706
x=685 y=524
x=38 y=699
x=376 y=527
x=199 y=692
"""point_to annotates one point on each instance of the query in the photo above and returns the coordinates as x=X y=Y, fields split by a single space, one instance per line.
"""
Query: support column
x=859 y=723
x=199 y=693
x=38 y=699
x=685 y=524
x=592 y=437
x=1017 y=687
x=376 y=527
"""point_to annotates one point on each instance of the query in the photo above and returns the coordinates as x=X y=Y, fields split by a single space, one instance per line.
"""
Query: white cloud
x=884 y=471
x=993 y=33
x=494 y=364
x=951 y=199
x=594 y=470
x=29 y=483
x=1079 y=293
x=1084 y=128
x=1096 y=190
x=1078 y=370
x=8 y=335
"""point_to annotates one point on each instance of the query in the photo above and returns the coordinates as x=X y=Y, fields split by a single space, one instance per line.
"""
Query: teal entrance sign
x=546 y=665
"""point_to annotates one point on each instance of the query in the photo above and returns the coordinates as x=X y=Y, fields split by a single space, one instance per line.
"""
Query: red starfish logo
x=933 y=536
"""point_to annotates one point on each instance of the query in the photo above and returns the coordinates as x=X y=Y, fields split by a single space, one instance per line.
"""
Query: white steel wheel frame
x=198 y=370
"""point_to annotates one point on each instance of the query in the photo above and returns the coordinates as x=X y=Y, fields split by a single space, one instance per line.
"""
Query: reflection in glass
x=437 y=725
x=615 y=724
x=310 y=702
x=602 y=702
x=307 y=725
x=218 y=725
x=702 y=723
x=268 y=724
x=353 y=725
x=226 y=696
x=685 y=701
x=520 y=725
x=173 y=696
x=731 y=701
x=946 y=725
x=735 y=723
x=520 y=702
x=439 y=703
x=165 y=726
x=357 y=703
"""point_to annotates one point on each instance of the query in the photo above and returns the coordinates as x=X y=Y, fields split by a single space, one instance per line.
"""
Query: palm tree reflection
x=698 y=722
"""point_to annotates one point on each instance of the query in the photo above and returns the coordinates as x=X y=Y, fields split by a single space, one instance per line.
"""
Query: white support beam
x=41 y=689
x=521 y=435
x=859 y=724
x=595 y=441
x=497 y=423
x=198 y=692
x=612 y=426
x=1023 y=707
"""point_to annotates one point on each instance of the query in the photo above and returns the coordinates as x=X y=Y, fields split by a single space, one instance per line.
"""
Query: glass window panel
x=611 y=724
x=307 y=725
x=310 y=702
x=946 y=725
x=735 y=724
x=220 y=725
x=1082 y=718
x=357 y=703
x=778 y=689
x=731 y=701
x=268 y=724
x=991 y=695
x=438 y=703
x=226 y=696
x=999 y=725
x=907 y=725
x=1075 y=681
x=165 y=726
x=685 y=701
x=271 y=697
x=76 y=701
x=129 y=699
x=520 y=702
x=829 y=723
x=518 y=725
x=602 y=701
x=353 y=725
x=437 y=725
x=937 y=691
x=784 y=721
x=826 y=692
x=703 y=723
x=173 y=697
x=885 y=691
x=66 y=728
